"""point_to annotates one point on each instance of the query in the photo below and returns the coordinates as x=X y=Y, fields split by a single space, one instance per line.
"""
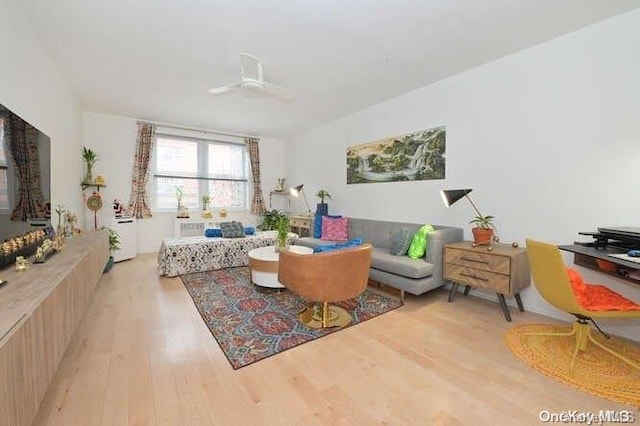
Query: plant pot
x=322 y=208
x=482 y=235
x=280 y=248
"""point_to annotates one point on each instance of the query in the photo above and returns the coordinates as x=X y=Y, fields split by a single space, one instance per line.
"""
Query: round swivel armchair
x=324 y=278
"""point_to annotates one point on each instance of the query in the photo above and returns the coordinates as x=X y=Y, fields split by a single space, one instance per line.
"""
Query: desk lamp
x=451 y=196
x=296 y=191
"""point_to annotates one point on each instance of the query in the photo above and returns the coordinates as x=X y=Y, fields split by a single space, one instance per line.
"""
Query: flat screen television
x=13 y=176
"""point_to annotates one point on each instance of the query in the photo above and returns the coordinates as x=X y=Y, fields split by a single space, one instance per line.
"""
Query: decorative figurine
x=21 y=263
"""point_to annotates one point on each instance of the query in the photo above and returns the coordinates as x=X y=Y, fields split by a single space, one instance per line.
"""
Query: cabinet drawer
x=297 y=222
x=481 y=261
x=477 y=278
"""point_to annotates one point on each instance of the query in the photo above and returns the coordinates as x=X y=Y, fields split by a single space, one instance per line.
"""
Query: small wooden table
x=263 y=262
x=301 y=225
x=504 y=270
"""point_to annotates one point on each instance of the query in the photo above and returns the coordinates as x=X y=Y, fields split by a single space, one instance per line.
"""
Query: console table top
x=25 y=291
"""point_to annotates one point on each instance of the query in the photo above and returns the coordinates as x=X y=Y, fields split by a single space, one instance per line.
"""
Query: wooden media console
x=40 y=309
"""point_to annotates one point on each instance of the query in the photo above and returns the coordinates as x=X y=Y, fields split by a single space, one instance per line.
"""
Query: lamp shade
x=295 y=190
x=450 y=196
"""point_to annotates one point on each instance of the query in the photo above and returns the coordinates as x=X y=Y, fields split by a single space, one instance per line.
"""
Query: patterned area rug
x=251 y=323
x=596 y=371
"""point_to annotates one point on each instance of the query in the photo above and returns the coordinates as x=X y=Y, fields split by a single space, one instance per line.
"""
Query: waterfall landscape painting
x=413 y=156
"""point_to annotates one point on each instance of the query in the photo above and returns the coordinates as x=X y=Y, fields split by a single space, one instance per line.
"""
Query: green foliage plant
x=114 y=239
x=89 y=156
x=282 y=226
x=484 y=222
x=270 y=220
x=323 y=194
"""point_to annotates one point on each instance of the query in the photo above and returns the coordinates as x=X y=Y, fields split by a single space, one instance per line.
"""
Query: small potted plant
x=183 y=212
x=323 y=207
x=205 y=202
x=114 y=244
x=90 y=158
x=483 y=231
x=282 y=226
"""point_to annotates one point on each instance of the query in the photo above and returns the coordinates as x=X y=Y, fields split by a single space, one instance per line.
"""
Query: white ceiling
x=155 y=59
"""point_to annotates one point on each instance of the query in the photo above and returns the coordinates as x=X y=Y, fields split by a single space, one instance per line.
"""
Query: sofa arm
x=435 y=249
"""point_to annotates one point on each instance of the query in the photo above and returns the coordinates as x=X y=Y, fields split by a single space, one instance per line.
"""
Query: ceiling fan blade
x=279 y=91
x=224 y=89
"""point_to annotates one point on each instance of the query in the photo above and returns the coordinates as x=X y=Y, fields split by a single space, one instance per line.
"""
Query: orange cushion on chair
x=577 y=283
x=594 y=297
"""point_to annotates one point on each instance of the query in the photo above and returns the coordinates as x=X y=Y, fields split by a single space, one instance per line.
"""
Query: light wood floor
x=143 y=355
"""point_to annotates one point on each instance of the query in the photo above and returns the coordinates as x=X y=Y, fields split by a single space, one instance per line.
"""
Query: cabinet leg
x=452 y=291
x=505 y=308
x=466 y=290
x=519 y=302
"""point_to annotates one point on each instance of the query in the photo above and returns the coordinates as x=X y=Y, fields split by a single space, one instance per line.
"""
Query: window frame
x=203 y=175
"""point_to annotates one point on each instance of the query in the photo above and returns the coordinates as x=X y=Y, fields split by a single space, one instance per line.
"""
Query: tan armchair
x=327 y=278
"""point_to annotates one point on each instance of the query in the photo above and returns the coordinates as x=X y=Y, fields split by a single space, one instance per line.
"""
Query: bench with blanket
x=415 y=276
x=178 y=256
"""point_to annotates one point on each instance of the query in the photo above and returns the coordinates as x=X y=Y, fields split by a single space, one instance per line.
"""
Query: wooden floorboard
x=143 y=356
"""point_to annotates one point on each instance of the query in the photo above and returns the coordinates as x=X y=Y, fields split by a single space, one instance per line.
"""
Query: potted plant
x=205 y=202
x=323 y=207
x=483 y=231
x=114 y=244
x=90 y=158
x=183 y=212
x=282 y=226
x=270 y=220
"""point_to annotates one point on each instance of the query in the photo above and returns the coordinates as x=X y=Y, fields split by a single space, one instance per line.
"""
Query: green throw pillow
x=419 y=243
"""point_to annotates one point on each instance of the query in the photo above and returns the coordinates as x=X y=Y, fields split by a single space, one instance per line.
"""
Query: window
x=202 y=167
x=4 y=171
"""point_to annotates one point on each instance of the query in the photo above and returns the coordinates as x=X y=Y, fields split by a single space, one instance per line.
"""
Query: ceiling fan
x=252 y=81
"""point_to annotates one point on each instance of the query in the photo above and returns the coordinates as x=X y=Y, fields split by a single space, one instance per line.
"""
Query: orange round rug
x=596 y=371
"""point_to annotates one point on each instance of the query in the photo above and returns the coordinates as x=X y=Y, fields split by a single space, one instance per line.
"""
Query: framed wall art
x=412 y=156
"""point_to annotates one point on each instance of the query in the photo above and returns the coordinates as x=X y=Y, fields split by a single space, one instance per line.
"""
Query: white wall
x=32 y=87
x=548 y=138
x=113 y=139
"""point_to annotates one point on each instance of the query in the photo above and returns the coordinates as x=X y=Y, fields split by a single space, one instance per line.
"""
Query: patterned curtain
x=257 y=204
x=22 y=141
x=139 y=200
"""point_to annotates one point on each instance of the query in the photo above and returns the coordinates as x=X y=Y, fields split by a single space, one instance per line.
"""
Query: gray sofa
x=415 y=276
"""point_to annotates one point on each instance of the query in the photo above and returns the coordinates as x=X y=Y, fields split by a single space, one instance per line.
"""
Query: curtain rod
x=213 y=132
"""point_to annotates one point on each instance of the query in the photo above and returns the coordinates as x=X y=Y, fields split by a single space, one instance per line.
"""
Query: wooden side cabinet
x=301 y=225
x=503 y=269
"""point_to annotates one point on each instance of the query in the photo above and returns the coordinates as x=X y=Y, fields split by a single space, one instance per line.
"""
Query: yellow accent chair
x=553 y=283
x=326 y=277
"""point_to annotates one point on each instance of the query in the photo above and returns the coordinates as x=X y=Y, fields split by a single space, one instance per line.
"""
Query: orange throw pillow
x=597 y=298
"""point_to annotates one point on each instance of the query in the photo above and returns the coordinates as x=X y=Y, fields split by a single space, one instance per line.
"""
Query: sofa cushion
x=313 y=242
x=338 y=246
x=213 y=232
x=317 y=225
x=418 y=246
x=232 y=229
x=400 y=265
x=400 y=242
x=335 y=228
